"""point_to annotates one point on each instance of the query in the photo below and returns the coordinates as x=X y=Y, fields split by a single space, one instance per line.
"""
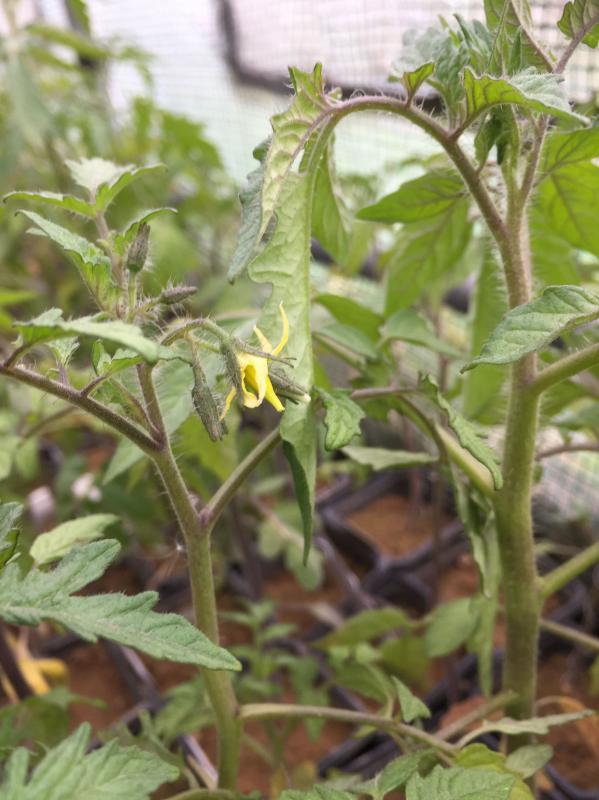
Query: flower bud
x=176 y=294
x=286 y=387
x=229 y=355
x=206 y=406
x=138 y=251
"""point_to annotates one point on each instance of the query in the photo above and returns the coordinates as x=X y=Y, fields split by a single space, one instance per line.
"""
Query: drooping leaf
x=280 y=535
x=10 y=513
x=350 y=312
x=66 y=201
x=291 y=131
x=407 y=325
x=581 y=17
x=537 y=725
x=427 y=254
x=464 y=430
x=421 y=198
x=449 y=627
x=342 y=418
x=412 y=707
x=69 y=772
x=536 y=91
x=380 y=458
x=50 y=325
x=329 y=215
x=534 y=325
x=457 y=783
x=481 y=394
x=366 y=626
x=128 y=620
x=285 y=263
x=55 y=544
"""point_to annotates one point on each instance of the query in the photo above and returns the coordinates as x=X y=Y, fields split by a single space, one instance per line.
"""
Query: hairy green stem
x=263 y=711
x=566 y=367
x=566 y=572
x=494 y=704
x=219 y=501
x=82 y=401
x=218 y=683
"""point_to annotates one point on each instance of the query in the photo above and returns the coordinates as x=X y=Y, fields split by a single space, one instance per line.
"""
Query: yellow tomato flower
x=255 y=382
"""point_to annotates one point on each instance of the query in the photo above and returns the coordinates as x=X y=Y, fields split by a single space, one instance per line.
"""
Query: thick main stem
x=197 y=542
x=513 y=503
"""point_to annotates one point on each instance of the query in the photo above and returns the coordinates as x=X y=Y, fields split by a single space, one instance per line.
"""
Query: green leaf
x=105 y=180
x=329 y=215
x=407 y=325
x=69 y=772
x=396 y=774
x=55 y=544
x=529 y=759
x=450 y=626
x=285 y=263
x=457 y=783
x=29 y=111
x=380 y=458
x=127 y=235
x=537 y=91
x=567 y=195
x=537 y=725
x=91 y=262
x=366 y=626
x=67 y=37
x=534 y=325
x=510 y=21
x=316 y=793
x=412 y=707
x=351 y=312
x=10 y=513
x=464 y=430
x=427 y=196
x=50 y=325
x=349 y=338
x=66 y=201
x=427 y=254
x=413 y=79
x=128 y=620
x=478 y=756
x=342 y=418
x=280 y=534
x=581 y=16
x=481 y=394
x=291 y=131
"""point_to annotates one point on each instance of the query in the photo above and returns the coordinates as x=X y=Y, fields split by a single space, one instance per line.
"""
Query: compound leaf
x=69 y=772
x=50 y=325
x=421 y=198
x=66 y=201
x=537 y=91
x=457 y=783
x=464 y=430
x=128 y=620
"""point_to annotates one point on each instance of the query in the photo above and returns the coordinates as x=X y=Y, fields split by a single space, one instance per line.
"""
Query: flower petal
x=264 y=343
x=284 y=332
x=272 y=398
x=228 y=400
x=254 y=374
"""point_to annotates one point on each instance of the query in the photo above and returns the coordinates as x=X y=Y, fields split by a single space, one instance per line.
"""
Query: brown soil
x=393 y=526
x=93 y=674
x=576 y=746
